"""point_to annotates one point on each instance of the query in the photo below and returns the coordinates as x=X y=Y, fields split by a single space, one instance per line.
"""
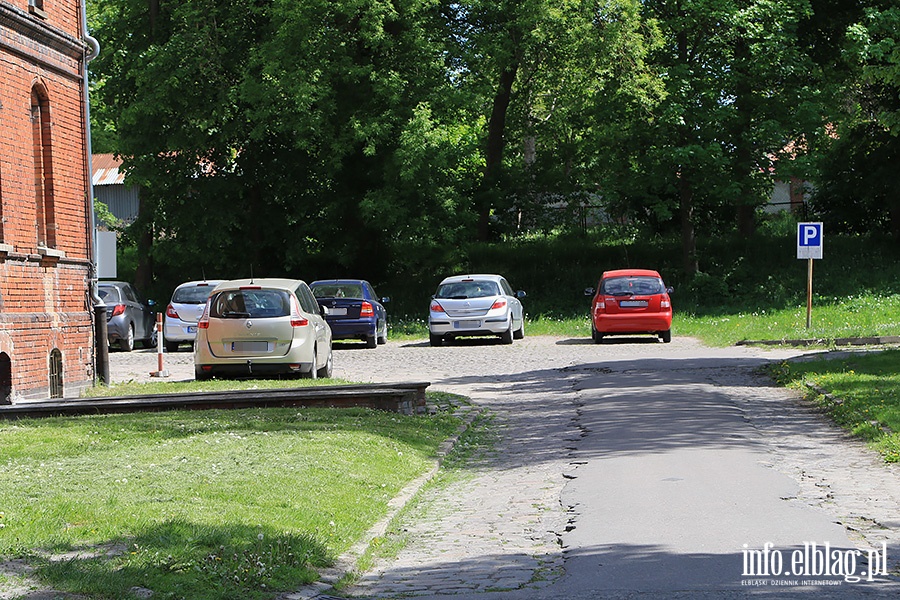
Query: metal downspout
x=101 y=346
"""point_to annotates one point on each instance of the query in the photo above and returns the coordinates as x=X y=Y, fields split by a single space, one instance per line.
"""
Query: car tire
x=371 y=341
x=666 y=336
x=314 y=371
x=201 y=375
x=126 y=344
x=327 y=371
x=507 y=336
x=382 y=339
x=435 y=340
x=520 y=332
x=596 y=336
x=171 y=346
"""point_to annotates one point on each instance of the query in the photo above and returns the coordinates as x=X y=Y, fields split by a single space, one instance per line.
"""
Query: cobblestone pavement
x=501 y=527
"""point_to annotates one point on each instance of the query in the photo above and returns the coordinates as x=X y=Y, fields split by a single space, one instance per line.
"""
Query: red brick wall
x=43 y=295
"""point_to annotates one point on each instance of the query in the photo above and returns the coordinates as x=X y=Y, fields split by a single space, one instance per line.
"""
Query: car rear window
x=108 y=294
x=468 y=289
x=627 y=286
x=193 y=294
x=256 y=303
x=338 y=291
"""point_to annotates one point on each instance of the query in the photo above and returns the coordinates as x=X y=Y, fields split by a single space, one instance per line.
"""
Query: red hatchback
x=630 y=301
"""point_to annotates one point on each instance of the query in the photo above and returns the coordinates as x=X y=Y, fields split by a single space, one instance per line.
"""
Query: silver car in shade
x=262 y=328
x=476 y=305
x=129 y=318
x=183 y=312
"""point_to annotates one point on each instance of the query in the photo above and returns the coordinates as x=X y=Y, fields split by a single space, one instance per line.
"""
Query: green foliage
x=104 y=216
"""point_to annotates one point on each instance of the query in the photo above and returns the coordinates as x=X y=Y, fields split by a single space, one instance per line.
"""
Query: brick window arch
x=42 y=144
x=56 y=373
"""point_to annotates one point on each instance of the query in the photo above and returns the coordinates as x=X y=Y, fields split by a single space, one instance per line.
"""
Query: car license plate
x=192 y=329
x=249 y=346
x=338 y=312
x=633 y=303
x=467 y=324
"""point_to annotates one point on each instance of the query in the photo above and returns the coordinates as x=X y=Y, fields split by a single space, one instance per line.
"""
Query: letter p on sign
x=809 y=240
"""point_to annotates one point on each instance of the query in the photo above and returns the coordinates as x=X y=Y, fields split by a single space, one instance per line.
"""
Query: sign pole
x=809 y=246
x=809 y=294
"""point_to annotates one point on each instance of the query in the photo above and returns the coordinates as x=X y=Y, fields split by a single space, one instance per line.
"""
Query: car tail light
x=500 y=303
x=436 y=306
x=171 y=312
x=203 y=323
x=297 y=319
x=665 y=303
x=118 y=309
x=366 y=310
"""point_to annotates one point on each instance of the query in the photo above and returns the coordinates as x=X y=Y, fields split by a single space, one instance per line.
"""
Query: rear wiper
x=232 y=314
x=623 y=294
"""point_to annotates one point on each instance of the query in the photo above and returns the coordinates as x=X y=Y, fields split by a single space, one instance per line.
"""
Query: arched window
x=56 y=374
x=5 y=379
x=45 y=221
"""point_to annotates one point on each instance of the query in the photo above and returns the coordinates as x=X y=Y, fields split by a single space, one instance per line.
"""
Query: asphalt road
x=631 y=469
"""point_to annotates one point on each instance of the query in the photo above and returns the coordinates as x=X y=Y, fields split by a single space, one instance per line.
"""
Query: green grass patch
x=202 y=504
x=831 y=318
x=862 y=394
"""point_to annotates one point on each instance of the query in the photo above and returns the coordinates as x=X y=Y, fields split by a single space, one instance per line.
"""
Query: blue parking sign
x=809 y=240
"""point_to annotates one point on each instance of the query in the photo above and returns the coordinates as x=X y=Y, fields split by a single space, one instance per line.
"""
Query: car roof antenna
x=251 y=273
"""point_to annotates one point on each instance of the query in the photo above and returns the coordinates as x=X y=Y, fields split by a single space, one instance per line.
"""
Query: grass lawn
x=207 y=504
x=832 y=318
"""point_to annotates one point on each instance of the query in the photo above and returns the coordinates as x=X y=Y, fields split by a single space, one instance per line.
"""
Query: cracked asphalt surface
x=630 y=469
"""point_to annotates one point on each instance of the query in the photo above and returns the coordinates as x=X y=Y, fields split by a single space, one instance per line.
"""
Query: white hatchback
x=262 y=327
x=183 y=312
x=476 y=305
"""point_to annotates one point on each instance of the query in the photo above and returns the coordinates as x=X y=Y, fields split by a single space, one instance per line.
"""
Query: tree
x=857 y=180
x=735 y=82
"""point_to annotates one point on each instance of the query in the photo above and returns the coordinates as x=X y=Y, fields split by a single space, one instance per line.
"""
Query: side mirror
x=324 y=310
x=670 y=290
x=385 y=300
x=589 y=291
x=520 y=294
x=151 y=303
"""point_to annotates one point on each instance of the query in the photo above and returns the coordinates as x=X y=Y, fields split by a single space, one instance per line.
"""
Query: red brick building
x=46 y=333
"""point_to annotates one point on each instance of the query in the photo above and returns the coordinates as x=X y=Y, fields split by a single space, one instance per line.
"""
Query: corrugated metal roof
x=105 y=170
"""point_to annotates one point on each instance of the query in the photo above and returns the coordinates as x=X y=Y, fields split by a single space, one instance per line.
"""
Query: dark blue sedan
x=355 y=312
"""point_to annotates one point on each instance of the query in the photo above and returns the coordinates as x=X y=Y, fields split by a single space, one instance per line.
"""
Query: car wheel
x=171 y=346
x=371 y=342
x=596 y=336
x=507 y=336
x=153 y=339
x=435 y=340
x=520 y=332
x=201 y=375
x=666 y=336
x=314 y=371
x=382 y=339
x=326 y=371
x=126 y=344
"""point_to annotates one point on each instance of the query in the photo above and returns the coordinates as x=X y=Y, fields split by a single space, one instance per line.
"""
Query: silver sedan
x=476 y=305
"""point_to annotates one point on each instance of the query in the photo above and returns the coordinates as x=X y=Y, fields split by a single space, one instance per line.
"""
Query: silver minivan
x=262 y=327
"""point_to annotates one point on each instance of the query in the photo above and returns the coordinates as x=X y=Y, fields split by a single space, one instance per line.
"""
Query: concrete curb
x=346 y=564
x=882 y=340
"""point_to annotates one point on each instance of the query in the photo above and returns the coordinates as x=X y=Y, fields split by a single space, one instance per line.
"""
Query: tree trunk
x=496 y=141
x=688 y=234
